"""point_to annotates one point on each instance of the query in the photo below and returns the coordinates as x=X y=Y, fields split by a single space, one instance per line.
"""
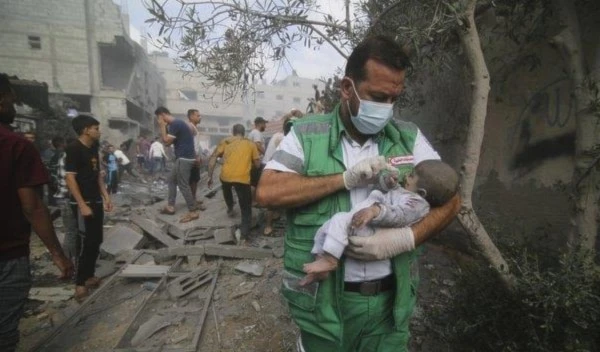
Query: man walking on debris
x=239 y=155
x=179 y=133
x=327 y=164
x=89 y=200
x=256 y=136
x=21 y=209
x=194 y=119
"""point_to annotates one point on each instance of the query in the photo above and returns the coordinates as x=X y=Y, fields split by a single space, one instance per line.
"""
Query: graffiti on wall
x=545 y=127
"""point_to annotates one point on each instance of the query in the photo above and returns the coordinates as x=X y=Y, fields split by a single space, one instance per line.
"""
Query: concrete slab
x=155 y=230
x=120 y=238
x=51 y=294
x=224 y=235
x=251 y=268
x=137 y=270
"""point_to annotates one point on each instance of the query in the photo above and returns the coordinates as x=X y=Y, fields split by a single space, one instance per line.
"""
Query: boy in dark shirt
x=87 y=189
x=180 y=134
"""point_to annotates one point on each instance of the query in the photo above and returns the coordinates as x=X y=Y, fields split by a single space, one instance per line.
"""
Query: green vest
x=320 y=137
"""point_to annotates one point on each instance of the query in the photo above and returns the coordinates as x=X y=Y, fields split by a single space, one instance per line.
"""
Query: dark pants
x=112 y=181
x=15 y=282
x=244 y=194
x=88 y=242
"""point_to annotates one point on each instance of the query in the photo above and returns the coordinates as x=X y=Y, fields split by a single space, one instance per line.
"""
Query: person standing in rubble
x=21 y=209
x=179 y=133
x=157 y=155
x=61 y=196
x=194 y=119
x=329 y=163
x=239 y=155
x=89 y=200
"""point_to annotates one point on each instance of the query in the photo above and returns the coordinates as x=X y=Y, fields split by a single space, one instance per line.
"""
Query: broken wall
x=527 y=152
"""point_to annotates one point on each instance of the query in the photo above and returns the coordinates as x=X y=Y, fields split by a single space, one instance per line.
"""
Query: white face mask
x=372 y=116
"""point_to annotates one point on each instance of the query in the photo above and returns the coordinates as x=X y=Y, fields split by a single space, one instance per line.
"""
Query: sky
x=308 y=63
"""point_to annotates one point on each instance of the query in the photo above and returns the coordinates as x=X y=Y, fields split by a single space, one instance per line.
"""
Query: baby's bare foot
x=321 y=265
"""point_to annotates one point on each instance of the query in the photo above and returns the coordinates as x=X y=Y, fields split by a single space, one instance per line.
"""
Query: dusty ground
x=249 y=313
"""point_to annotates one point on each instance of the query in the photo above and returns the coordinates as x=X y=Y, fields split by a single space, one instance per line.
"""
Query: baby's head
x=434 y=180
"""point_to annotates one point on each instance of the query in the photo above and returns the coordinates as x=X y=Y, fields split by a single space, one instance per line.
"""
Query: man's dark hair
x=81 y=122
x=438 y=179
x=380 y=48
x=238 y=130
x=161 y=110
x=5 y=86
x=58 y=141
x=191 y=112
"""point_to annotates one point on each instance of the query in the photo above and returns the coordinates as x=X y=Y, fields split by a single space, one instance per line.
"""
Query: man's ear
x=347 y=91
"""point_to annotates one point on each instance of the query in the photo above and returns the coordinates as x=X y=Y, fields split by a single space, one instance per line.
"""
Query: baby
x=431 y=184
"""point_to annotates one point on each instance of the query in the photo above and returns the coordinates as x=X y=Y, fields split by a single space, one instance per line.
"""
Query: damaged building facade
x=187 y=90
x=82 y=50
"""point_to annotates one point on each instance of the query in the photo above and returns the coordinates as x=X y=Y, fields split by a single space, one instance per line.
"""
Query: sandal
x=167 y=211
x=189 y=217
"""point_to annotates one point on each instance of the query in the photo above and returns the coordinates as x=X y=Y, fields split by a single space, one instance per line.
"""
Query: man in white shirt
x=156 y=155
x=329 y=163
x=124 y=164
x=256 y=136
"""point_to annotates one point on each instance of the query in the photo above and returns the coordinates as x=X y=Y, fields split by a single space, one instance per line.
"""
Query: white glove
x=385 y=243
x=365 y=172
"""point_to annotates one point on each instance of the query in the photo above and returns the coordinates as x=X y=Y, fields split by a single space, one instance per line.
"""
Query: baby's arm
x=365 y=215
x=403 y=211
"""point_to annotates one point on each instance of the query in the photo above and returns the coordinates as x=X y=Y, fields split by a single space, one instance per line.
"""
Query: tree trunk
x=481 y=86
x=586 y=180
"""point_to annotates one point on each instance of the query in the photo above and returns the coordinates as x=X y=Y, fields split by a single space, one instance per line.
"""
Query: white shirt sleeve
x=288 y=148
x=423 y=149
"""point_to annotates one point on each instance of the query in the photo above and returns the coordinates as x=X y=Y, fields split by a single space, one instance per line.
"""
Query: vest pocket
x=315 y=214
x=297 y=253
x=304 y=297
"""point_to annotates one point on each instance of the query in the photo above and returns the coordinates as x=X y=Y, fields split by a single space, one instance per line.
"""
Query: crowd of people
x=361 y=191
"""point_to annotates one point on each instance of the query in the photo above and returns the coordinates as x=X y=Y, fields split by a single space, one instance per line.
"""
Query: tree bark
x=469 y=38
x=586 y=180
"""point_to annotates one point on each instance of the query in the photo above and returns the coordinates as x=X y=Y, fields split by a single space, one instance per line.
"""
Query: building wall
x=62 y=60
x=70 y=61
x=270 y=101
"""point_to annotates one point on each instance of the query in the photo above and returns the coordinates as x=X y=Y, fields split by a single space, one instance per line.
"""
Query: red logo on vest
x=401 y=160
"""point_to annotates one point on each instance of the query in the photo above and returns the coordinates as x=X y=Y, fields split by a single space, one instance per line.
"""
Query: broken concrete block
x=256 y=306
x=250 y=268
x=224 y=236
x=104 y=268
x=278 y=252
x=154 y=230
x=185 y=284
x=236 y=251
x=51 y=294
x=200 y=233
x=120 y=238
x=154 y=324
x=135 y=270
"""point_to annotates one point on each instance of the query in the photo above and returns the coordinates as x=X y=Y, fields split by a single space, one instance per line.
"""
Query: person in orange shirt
x=239 y=154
